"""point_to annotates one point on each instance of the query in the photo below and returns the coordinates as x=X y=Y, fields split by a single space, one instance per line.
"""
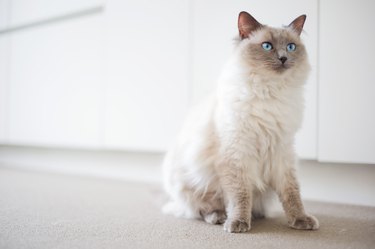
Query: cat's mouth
x=281 y=67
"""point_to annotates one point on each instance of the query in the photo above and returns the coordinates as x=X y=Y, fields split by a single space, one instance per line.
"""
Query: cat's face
x=272 y=50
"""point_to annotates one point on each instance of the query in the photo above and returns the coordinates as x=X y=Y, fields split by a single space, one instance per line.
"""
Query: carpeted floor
x=39 y=210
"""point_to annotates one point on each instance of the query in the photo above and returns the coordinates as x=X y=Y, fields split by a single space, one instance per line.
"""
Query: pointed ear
x=297 y=24
x=247 y=24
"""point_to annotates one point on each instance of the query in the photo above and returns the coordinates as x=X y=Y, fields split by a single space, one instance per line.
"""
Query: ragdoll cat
x=237 y=147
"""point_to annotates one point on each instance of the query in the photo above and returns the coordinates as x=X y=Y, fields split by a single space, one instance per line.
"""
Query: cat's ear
x=247 y=24
x=297 y=24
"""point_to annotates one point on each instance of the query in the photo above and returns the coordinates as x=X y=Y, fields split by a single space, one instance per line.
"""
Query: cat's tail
x=180 y=210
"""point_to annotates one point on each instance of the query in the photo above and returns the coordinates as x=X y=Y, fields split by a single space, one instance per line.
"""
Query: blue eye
x=267 y=46
x=291 y=47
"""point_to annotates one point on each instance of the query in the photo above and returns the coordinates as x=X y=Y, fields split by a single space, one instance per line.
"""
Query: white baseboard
x=337 y=182
x=340 y=183
x=134 y=166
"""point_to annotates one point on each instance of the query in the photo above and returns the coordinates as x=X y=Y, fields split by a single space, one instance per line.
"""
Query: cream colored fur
x=238 y=146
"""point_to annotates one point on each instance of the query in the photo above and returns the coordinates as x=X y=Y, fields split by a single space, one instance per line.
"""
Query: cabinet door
x=147 y=87
x=347 y=82
x=214 y=27
x=4 y=13
x=55 y=84
x=24 y=12
x=4 y=66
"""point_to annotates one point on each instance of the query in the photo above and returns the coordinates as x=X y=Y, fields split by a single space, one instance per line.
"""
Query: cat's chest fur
x=260 y=112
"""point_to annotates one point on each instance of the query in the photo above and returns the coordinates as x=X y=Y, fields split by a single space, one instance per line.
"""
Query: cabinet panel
x=4 y=66
x=25 y=11
x=346 y=84
x=4 y=13
x=55 y=84
x=213 y=33
x=147 y=88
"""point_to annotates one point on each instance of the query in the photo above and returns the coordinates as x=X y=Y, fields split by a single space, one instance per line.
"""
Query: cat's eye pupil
x=267 y=46
x=291 y=47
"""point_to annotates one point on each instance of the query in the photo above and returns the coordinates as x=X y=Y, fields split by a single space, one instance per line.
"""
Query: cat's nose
x=283 y=59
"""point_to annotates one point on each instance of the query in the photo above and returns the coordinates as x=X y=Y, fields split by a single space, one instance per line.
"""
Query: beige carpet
x=39 y=210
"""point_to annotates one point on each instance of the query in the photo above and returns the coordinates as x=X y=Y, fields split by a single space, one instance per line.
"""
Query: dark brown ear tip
x=243 y=13
x=303 y=17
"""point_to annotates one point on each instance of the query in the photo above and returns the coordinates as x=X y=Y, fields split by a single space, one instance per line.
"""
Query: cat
x=237 y=147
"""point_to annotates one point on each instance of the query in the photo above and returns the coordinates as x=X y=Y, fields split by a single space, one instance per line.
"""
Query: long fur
x=240 y=138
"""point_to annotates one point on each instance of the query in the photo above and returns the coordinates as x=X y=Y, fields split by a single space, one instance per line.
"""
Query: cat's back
x=191 y=160
x=197 y=139
x=199 y=119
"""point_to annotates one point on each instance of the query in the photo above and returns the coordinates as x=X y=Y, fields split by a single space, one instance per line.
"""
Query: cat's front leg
x=289 y=194
x=238 y=195
x=238 y=210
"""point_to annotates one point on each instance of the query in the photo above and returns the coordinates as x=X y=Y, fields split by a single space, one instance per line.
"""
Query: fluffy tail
x=178 y=209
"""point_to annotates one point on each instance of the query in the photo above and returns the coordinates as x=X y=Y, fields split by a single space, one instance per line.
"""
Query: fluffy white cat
x=239 y=145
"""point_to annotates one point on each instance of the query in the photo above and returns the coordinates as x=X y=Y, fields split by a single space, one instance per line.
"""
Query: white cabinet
x=24 y=12
x=347 y=82
x=146 y=74
x=4 y=13
x=4 y=72
x=55 y=90
x=124 y=78
x=59 y=94
x=212 y=40
x=4 y=68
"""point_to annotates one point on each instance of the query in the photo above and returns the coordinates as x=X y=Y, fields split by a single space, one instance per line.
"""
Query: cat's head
x=272 y=50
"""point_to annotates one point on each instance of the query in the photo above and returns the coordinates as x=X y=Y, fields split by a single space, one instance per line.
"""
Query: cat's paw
x=236 y=226
x=307 y=222
x=216 y=217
